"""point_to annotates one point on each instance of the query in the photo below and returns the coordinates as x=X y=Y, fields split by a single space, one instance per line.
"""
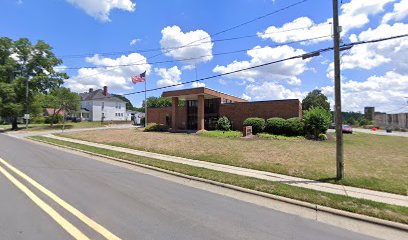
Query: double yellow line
x=67 y=226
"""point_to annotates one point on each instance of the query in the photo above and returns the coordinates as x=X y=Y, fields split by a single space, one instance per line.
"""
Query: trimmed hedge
x=289 y=127
x=295 y=127
x=276 y=126
x=258 y=124
x=154 y=127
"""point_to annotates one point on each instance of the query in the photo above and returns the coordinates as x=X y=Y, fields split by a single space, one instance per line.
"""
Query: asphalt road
x=128 y=204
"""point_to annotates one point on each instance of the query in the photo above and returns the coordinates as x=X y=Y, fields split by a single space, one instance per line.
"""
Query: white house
x=99 y=105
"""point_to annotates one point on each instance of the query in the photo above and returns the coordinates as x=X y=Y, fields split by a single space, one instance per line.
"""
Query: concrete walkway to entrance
x=300 y=182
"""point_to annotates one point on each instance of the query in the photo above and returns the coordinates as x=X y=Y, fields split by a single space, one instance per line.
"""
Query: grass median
x=360 y=206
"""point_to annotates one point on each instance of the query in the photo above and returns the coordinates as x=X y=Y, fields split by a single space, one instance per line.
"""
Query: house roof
x=50 y=111
x=98 y=95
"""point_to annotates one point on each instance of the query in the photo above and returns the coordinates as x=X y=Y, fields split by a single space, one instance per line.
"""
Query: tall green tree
x=315 y=99
x=62 y=100
x=23 y=64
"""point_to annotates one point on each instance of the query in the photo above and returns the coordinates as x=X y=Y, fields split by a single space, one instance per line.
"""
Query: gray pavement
x=381 y=132
x=134 y=205
x=23 y=133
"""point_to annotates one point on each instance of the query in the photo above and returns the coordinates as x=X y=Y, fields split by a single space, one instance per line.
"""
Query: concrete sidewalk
x=294 y=181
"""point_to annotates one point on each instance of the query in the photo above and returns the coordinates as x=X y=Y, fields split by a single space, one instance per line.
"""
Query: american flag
x=139 y=78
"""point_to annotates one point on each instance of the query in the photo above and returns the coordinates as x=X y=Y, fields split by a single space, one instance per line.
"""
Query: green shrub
x=276 y=126
x=322 y=137
x=154 y=127
x=258 y=124
x=57 y=119
x=279 y=137
x=317 y=121
x=225 y=134
x=223 y=124
x=38 y=120
x=294 y=127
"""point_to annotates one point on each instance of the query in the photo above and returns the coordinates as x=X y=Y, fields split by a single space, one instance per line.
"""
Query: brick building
x=204 y=106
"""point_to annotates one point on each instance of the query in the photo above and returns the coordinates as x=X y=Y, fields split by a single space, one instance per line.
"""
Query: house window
x=103 y=106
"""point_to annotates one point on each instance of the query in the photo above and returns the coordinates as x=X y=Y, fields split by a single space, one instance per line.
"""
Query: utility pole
x=337 y=93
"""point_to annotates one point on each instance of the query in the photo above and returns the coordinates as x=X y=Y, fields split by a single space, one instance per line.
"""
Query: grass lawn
x=44 y=127
x=371 y=161
x=366 y=207
x=227 y=134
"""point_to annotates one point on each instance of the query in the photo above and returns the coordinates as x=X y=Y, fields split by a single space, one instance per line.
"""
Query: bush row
x=277 y=126
x=314 y=123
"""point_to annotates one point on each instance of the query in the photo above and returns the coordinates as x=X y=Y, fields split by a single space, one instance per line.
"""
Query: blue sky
x=373 y=75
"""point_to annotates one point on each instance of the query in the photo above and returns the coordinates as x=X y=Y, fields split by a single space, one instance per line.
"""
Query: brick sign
x=247 y=131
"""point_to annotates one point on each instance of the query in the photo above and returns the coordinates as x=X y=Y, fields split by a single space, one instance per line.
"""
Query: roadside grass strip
x=360 y=206
x=58 y=218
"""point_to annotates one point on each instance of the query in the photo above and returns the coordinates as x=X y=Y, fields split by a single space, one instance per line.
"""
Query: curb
x=315 y=207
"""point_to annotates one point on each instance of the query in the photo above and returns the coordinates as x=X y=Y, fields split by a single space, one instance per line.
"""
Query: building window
x=103 y=106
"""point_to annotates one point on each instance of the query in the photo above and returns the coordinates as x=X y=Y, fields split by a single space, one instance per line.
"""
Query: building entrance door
x=192 y=114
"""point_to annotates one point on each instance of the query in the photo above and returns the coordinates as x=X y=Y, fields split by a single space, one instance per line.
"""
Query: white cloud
x=169 y=76
x=188 y=67
x=116 y=78
x=134 y=41
x=246 y=97
x=285 y=71
x=400 y=12
x=197 y=84
x=271 y=91
x=100 y=9
x=307 y=29
x=386 y=92
x=369 y=56
x=354 y=15
x=198 y=41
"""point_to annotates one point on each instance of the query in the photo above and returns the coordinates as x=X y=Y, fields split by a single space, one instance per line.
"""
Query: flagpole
x=145 y=102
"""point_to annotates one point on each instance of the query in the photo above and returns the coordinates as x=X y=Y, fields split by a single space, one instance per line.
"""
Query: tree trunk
x=52 y=120
x=14 y=125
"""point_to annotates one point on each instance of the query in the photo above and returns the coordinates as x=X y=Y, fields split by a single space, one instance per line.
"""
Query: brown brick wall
x=238 y=112
x=158 y=115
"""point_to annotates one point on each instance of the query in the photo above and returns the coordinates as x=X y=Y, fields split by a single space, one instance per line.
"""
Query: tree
x=22 y=64
x=62 y=99
x=315 y=98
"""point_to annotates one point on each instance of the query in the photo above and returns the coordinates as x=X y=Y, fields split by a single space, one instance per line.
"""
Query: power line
x=194 y=58
x=217 y=33
x=178 y=47
x=313 y=53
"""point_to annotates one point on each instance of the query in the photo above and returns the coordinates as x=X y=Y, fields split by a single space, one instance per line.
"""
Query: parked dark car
x=332 y=126
x=346 y=129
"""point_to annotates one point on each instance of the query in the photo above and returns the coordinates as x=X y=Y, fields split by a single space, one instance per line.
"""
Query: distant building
x=381 y=119
x=134 y=116
x=204 y=106
x=99 y=105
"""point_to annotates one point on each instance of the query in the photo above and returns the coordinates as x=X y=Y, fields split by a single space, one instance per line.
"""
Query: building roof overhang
x=193 y=93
